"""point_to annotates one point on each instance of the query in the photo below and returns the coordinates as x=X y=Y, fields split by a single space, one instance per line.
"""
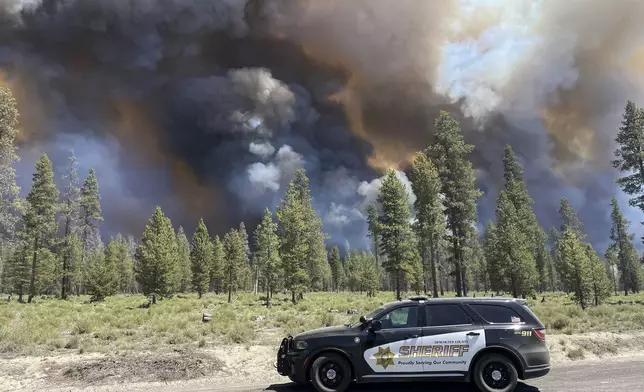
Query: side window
x=406 y=317
x=448 y=314
x=497 y=314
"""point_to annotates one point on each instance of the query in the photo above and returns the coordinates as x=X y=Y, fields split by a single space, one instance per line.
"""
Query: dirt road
x=624 y=375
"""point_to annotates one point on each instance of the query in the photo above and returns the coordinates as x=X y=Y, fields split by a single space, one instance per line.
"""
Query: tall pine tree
x=292 y=216
x=201 y=258
x=90 y=204
x=118 y=255
x=267 y=256
x=628 y=260
x=630 y=154
x=234 y=258
x=69 y=254
x=458 y=185
x=527 y=220
x=373 y=230
x=426 y=184
x=397 y=238
x=156 y=255
x=575 y=266
x=217 y=265
x=40 y=216
x=513 y=257
x=184 y=264
x=337 y=269
x=9 y=190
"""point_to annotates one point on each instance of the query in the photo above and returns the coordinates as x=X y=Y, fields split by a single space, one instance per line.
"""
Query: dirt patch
x=166 y=367
x=594 y=345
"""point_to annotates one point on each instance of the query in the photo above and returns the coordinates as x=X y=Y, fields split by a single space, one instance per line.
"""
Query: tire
x=330 y=373
x=492 y=366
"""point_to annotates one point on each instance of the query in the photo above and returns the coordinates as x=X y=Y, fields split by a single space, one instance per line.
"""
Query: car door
x=381 y=350
x=450 y=339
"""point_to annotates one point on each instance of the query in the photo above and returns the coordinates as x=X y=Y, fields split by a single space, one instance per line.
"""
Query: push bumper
x=290 y=363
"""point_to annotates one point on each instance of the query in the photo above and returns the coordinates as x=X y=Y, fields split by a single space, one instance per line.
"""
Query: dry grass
x=119 y=325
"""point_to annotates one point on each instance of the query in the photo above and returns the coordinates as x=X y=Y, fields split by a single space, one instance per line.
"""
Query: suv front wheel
x=495 y=373
x=330 y=373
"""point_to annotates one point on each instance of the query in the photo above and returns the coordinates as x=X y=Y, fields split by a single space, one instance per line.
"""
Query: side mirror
x=362 y=320
x=376 y=325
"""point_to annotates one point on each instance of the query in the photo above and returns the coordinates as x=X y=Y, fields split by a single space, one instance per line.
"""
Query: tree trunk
x=432 y=265
x=199 y=293
x=230 y=293
x=398 y=285
x=32 y=284
x=293 y=297
x=463 y=280
x=268 y=294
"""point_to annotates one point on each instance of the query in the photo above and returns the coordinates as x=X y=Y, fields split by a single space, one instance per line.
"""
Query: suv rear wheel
x=495 y=373
x=330 y=373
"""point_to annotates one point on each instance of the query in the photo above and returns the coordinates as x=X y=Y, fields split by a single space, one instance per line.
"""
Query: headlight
x=301 y=345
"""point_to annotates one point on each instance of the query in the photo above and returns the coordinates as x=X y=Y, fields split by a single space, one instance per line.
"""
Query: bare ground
x=228 y=366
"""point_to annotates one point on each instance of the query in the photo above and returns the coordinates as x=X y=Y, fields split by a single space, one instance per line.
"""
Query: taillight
x=540 y=333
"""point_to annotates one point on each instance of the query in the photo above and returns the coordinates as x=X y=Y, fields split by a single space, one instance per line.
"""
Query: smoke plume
x=207 y=108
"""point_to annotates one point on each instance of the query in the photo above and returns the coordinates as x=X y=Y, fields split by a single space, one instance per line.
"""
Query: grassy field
x=119 y=325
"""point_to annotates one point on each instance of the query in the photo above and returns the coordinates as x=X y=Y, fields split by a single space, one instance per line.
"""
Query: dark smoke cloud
x=208 y=107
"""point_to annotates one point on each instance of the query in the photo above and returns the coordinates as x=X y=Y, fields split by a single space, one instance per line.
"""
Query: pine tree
x=628 y=264
x=458 y=185
x=156 y=255
x=118 y=256
x=429 y=212
x=396 y=233
x=495 y=266
x=373 y=229
x=90 y=204
x=248 y=268
x=295 y=234
x=17 y=269
x=234 y=257
x=600 y=282
x=9 y=191
x=40 y=216
x=217 y=265
x=569 y=218
x=71 y=210
x=478 y=265
x=201 y=258
x=513 y=255
x=102 y=272
x=337 y=269
x=630 y=154
x=527 y=220
x=612 y=265
x=267 y=256
x=371 y=274
x=576 y=272
x=184 y=264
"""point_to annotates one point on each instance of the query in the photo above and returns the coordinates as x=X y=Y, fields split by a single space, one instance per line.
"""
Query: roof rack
x=418 y=298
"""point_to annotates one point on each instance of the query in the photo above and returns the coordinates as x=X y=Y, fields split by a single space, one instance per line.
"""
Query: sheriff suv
x=492 y=342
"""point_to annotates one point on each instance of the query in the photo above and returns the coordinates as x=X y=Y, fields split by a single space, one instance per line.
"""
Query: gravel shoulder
x=231 y=367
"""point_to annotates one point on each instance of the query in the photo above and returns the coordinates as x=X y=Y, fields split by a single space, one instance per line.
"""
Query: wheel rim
x=496 y=375
x=331 y=374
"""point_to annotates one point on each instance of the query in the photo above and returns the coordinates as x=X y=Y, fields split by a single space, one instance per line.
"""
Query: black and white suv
x=492 y=342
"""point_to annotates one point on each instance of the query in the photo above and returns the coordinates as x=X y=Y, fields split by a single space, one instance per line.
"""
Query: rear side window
x=497 y=314
x=448 y=314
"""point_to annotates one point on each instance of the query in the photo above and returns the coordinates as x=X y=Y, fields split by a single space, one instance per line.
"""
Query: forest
x=51 y=243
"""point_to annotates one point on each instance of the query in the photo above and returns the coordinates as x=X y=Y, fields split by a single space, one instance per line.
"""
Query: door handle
x=411 y=337
x=473 y=334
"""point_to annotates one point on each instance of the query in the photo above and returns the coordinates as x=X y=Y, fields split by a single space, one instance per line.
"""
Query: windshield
x=368 y=316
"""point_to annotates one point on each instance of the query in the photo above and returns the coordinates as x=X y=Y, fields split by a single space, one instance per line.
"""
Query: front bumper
x=291 y=363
